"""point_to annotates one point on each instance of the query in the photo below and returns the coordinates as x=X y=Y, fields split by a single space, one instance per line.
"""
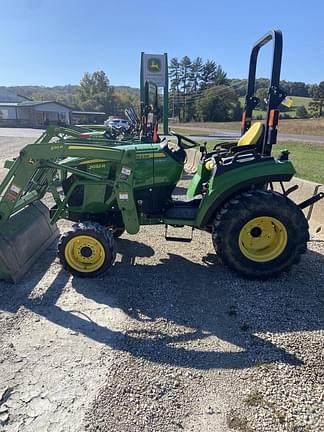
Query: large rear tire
x=88 y=250
x=260 y=233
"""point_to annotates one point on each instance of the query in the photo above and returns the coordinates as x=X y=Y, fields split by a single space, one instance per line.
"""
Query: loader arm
x=62 y=133
x=36 y=169
x=75 y=134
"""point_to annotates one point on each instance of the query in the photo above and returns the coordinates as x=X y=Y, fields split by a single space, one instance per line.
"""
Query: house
x=20 y=111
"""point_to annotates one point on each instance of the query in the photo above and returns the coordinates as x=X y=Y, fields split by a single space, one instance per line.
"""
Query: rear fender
x=233 y=182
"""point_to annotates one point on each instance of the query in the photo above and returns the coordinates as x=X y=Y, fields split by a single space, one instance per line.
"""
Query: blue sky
x=50 y=42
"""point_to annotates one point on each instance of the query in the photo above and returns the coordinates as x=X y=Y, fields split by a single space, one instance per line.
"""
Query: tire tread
x=247 y=202
x=88 y=227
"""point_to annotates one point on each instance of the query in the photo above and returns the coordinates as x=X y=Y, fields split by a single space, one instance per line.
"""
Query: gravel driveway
x=169 y=340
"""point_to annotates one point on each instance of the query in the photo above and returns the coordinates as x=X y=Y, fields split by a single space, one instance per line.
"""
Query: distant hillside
x=66 y=94
x=293 y=88
x=135 y=91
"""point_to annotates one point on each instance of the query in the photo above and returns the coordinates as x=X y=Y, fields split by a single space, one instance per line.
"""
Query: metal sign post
x=154 y=68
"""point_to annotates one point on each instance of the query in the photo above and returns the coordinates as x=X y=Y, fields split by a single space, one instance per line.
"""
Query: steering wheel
x=181 y=138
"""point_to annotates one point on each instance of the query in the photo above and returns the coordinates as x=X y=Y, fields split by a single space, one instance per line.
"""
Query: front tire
x=260 y=233
x=88 y=250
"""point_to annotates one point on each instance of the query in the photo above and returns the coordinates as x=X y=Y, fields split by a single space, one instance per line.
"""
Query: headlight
x=210 y=165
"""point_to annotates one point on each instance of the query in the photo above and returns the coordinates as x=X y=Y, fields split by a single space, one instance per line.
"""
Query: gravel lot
x=169 y=340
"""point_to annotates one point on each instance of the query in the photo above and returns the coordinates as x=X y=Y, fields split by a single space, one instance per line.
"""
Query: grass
x=186 y=131
x=302 y=126
x=206 y=125
x=210 y=143
x=291 y=126
x=308 y=159
x=298 y=101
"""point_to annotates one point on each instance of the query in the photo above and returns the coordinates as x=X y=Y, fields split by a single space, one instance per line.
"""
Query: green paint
x=241 y=178
x=132 y=183
x=201 y=176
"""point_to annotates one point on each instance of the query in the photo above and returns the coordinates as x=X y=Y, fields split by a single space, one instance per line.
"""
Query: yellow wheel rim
x=84 y=253
x=263 y=239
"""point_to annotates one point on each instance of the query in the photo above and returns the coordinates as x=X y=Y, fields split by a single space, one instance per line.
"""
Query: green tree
x=174 y=99
x=236 y=111
x=239 y=85
x=301 y=112
x=208 y=74
x=185 y=67
x=124 y=99
x=174 y=73
x=262 y=94
x=317 y=104
x=212 y=74
x=96 y=94
x=195 y=73
x=312 y=90
x=220 y=76
x=218 y=103
x=188 y=80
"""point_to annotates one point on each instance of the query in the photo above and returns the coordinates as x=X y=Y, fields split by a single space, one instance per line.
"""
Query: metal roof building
x=20 y=111
x=34 y=114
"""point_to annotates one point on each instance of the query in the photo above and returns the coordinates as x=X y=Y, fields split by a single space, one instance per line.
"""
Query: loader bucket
x=23 y=238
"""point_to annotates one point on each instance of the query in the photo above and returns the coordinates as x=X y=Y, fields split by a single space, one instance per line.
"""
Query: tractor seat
x=248 y=142
x=250 y=139
x=252 y=136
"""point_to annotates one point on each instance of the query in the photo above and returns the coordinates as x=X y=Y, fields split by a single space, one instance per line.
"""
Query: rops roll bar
x=275 y=94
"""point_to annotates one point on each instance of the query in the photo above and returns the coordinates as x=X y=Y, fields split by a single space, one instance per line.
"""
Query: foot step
x=178 y=239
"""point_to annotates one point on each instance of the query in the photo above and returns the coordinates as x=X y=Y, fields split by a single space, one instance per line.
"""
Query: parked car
x=118 y=123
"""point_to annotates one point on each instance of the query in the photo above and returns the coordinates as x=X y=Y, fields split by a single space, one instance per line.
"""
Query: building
x=20 y=111
x=34 y=114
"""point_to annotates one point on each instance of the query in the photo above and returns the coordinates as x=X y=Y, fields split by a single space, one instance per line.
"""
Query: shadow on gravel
x=13 y=296
x=177 y=304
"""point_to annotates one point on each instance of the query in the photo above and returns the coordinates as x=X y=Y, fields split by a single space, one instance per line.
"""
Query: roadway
x=232 y=135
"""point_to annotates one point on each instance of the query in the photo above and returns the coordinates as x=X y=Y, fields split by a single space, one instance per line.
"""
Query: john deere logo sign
x=154 y=65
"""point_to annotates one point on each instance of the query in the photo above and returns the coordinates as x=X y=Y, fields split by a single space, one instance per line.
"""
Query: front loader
x=107 y=190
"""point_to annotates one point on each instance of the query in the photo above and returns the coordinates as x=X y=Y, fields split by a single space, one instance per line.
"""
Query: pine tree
x=174 y=72
x=195 y=74
x=185 y=67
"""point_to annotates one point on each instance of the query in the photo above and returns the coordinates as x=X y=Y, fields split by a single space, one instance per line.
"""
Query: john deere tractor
x=108 y=189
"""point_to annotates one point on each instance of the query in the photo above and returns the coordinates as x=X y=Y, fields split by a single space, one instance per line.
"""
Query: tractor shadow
x=196 y=302
x=207 y=301
x=13 y=296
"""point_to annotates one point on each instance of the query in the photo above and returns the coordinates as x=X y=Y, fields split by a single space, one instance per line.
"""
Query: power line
x=194 y=97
